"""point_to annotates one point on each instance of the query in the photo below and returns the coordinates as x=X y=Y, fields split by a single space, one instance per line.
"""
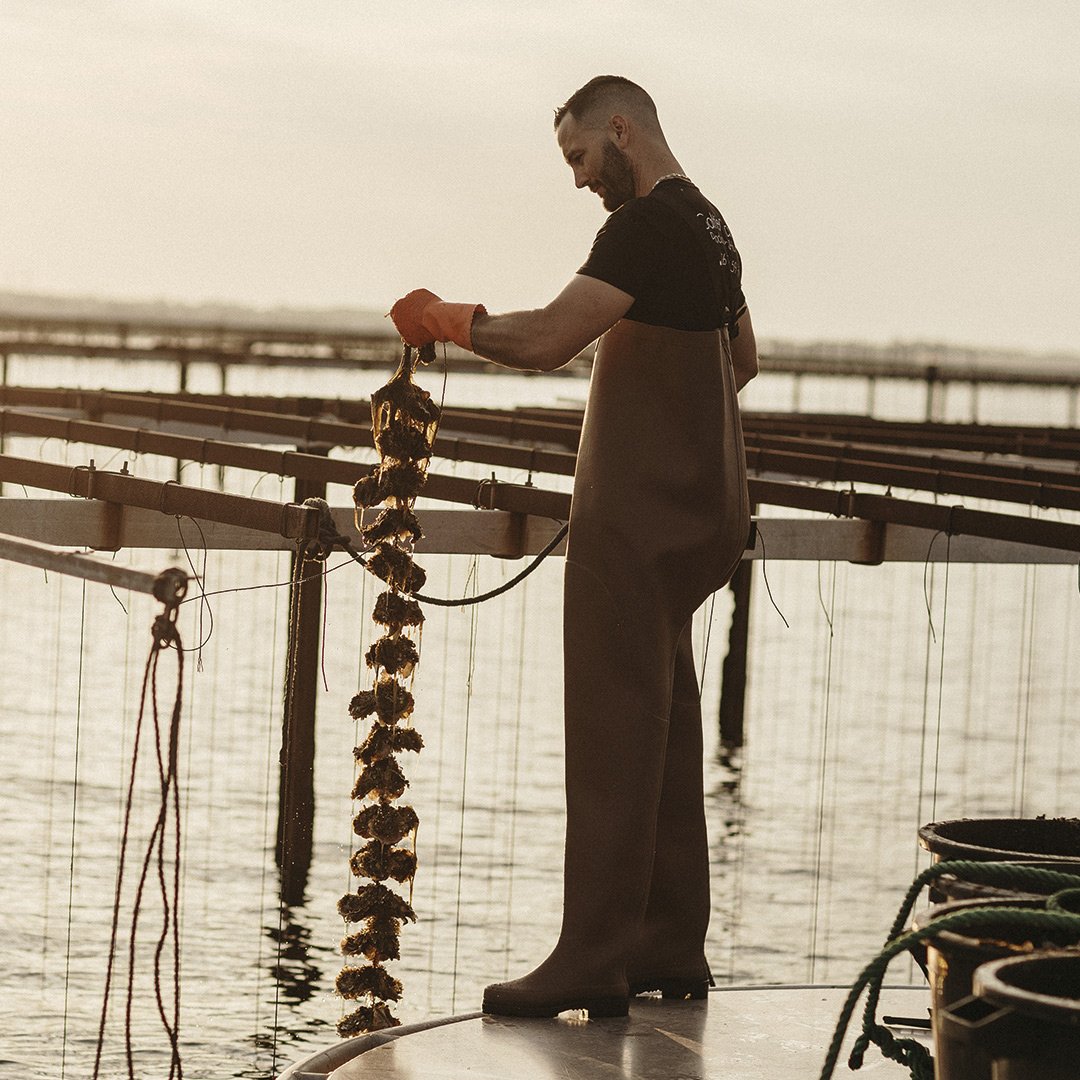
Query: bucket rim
x=990 y=983
x=930 y=835
x=923 y=921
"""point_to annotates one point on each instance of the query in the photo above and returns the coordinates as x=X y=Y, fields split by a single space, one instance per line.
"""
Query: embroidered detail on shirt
x=720 y=235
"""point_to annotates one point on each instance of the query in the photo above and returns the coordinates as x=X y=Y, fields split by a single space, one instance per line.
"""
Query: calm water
x=898 y=695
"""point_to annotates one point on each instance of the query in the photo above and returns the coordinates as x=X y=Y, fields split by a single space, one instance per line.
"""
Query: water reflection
x=724 y=801
x=292 y=968
x=296 y=971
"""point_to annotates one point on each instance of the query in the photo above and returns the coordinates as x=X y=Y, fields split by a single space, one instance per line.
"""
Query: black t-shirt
x=659 y=247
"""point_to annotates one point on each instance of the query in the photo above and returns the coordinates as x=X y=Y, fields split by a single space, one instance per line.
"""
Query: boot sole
x=597 y=1008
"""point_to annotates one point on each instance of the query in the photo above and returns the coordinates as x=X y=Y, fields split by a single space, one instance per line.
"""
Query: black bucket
x=1003 y=839
x=952 y=960
x=1031 y=1024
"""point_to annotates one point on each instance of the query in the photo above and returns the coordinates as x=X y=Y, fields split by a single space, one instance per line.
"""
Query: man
x=659 y=520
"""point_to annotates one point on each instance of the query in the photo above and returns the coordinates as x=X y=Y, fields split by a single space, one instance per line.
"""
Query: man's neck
x=649 y=172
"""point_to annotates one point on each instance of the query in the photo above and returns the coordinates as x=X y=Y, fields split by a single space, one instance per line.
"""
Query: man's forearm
x=515 y=340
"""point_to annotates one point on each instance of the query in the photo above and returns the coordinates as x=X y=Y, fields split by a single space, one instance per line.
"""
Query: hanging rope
x=329 y=539
x=169 y=590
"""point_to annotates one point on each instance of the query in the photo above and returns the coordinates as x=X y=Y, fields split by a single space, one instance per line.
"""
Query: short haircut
x=608 y=92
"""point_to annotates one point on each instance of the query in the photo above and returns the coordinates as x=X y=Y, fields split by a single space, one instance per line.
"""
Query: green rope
x=1002 y=874
x=1000 y=920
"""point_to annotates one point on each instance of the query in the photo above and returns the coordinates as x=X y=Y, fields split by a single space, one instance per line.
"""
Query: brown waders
x=659 y=520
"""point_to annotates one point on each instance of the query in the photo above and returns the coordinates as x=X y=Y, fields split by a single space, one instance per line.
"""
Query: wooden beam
x=76 y=564
x=951 y=520
x=169 y=498
x=93 y=524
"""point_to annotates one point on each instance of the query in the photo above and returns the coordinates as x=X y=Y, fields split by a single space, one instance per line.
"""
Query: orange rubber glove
x=421 y=318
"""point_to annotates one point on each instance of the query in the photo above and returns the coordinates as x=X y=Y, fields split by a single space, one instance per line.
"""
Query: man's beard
x=616 y=178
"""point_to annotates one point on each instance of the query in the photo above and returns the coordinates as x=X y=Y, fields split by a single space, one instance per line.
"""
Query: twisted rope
x=170 y=588
x=1057 y=921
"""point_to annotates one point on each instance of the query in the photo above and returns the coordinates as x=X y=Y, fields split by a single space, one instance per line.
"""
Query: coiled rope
x=1058 y=920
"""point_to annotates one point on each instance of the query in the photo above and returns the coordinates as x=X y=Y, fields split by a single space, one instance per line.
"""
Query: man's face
x=597 y=162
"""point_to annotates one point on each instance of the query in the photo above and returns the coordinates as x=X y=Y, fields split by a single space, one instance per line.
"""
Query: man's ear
x=620 y=130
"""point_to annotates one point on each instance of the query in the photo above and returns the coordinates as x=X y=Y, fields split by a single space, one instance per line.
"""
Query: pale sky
x=889 y=170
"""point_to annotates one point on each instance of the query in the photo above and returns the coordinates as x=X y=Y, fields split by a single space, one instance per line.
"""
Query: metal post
x=932 y=388
x=296 y=793
x=733 y=685
x=3 y=382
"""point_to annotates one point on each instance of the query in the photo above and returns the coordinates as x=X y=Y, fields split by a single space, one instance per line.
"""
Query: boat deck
x=738 y=1033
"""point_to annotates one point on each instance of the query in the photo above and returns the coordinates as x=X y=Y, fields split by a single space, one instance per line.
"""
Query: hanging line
x=830 y=613
x=765 y=576
x=474 y=578
x=515 y=774
x=941 y=677
x=705 y=648
x=1023 y=690
x=931 y=640
x=51 y=781
x=74 y=819
x=329 y=538
x=200 y=580
x=169 y=589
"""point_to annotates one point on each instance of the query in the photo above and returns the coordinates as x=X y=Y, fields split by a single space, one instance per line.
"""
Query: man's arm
x=744 y=351
x=550 y=337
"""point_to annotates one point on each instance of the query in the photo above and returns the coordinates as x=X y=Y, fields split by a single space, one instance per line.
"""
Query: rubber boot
x=659 y=519
x=616 y=732
x=669 y=955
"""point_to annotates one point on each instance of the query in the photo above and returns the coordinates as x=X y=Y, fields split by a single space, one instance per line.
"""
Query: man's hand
x=422 y=318
x=744 y=358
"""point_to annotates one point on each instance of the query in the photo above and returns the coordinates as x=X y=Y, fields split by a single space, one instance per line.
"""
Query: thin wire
x=322 y=638
x=705 y=648
x=50 y=819
x=970 y=670
x=267 y=779
x=440 y=772
x=765 y=577
x=472 y=577
x=74 y=822
x=1064 y=759
x=927 y=571
x=823 y=770
x=1026 y=691
x=514 y=778
x=204 y=606
x=941 y=677
x=931 y=639
x=270 y=585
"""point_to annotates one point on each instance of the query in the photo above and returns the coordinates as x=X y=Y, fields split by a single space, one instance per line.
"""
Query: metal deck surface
x=775 y=1033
